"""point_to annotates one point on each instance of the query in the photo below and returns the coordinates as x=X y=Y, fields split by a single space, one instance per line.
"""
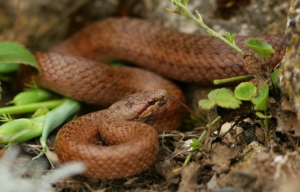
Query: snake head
x=139 y=106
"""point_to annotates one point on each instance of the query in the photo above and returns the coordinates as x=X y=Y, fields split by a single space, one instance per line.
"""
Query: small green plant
x=50 y=110
x=247 y=91
x=15 y=53
x=220 y=97
x=262 y=48
x=42 y=122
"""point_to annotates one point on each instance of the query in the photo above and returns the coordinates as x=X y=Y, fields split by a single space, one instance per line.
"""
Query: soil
x=239 y=154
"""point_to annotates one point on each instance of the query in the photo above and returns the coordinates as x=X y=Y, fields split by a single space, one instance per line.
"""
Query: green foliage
x=15 y=53
x=261 y=100
x=222 y=97
x=206 y=104
x=274 y=78
x=262 y=116
x=230 y=37
x=33 y=95
x=41 y=124
x=233 y=79
x=195 y=144
x=56 y=117
x=181 y=8
x=260 y=47
x=8 y=68
x=27 y=108
x=245 y=91
x=183 y=2
x=20 y=130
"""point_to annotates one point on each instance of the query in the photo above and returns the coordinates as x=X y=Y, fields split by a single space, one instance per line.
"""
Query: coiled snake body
x=172 y=54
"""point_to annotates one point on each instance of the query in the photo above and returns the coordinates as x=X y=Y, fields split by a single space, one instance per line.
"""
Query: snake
x=119 y=125
x=75 y=69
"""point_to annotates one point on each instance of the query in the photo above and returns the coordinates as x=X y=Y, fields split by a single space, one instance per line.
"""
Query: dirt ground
x=246 y=158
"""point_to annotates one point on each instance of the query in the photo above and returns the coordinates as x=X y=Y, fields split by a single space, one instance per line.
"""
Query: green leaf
x=195 y=144
x=260 y=47
x=12 y=52
x=30 y=107
x=20 y=130
x=41 y=111
x=206 y=104
x=56 y=117
x=5 y=118
x=185 y=2
x=233 y=79
x=274 y=78
x=261 y=100
x=245 y=91
x=33 y=95
x=224 y=98
x=8 y=68
x=230 y=37
x=262 y=116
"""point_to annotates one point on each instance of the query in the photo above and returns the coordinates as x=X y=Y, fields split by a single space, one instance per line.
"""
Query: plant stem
x=185 y=12
x=30 y=107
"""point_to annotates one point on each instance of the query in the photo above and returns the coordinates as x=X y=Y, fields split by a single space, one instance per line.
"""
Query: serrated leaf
x=230 y=102
x=219 y=93
x=224 y=98
x=206 y=104
x=260 y=47
x=12 y=52
x=261 y=100
x=245 y=91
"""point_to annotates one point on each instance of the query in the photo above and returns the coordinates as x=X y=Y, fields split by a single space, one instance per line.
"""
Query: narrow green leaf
x=56 y=117
x=260 y=47
x=261 y=100
x=4 y=118
x=274 y=78
x=33 y=95
x=233 y=79
x=185 y=2
x=262 y=116
x=20 y=130
x=41 y=111
x=30 y=107
x=230 y=37
x=15 y=53
x=245 y=91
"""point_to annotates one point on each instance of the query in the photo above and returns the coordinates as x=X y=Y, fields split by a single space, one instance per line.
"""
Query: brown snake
x=172 y=54
x=119 y=124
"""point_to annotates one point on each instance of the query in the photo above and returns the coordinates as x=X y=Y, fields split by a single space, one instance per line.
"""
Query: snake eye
x=151 y=102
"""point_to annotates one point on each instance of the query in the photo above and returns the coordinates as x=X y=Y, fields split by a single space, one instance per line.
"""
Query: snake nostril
x=162 y=102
